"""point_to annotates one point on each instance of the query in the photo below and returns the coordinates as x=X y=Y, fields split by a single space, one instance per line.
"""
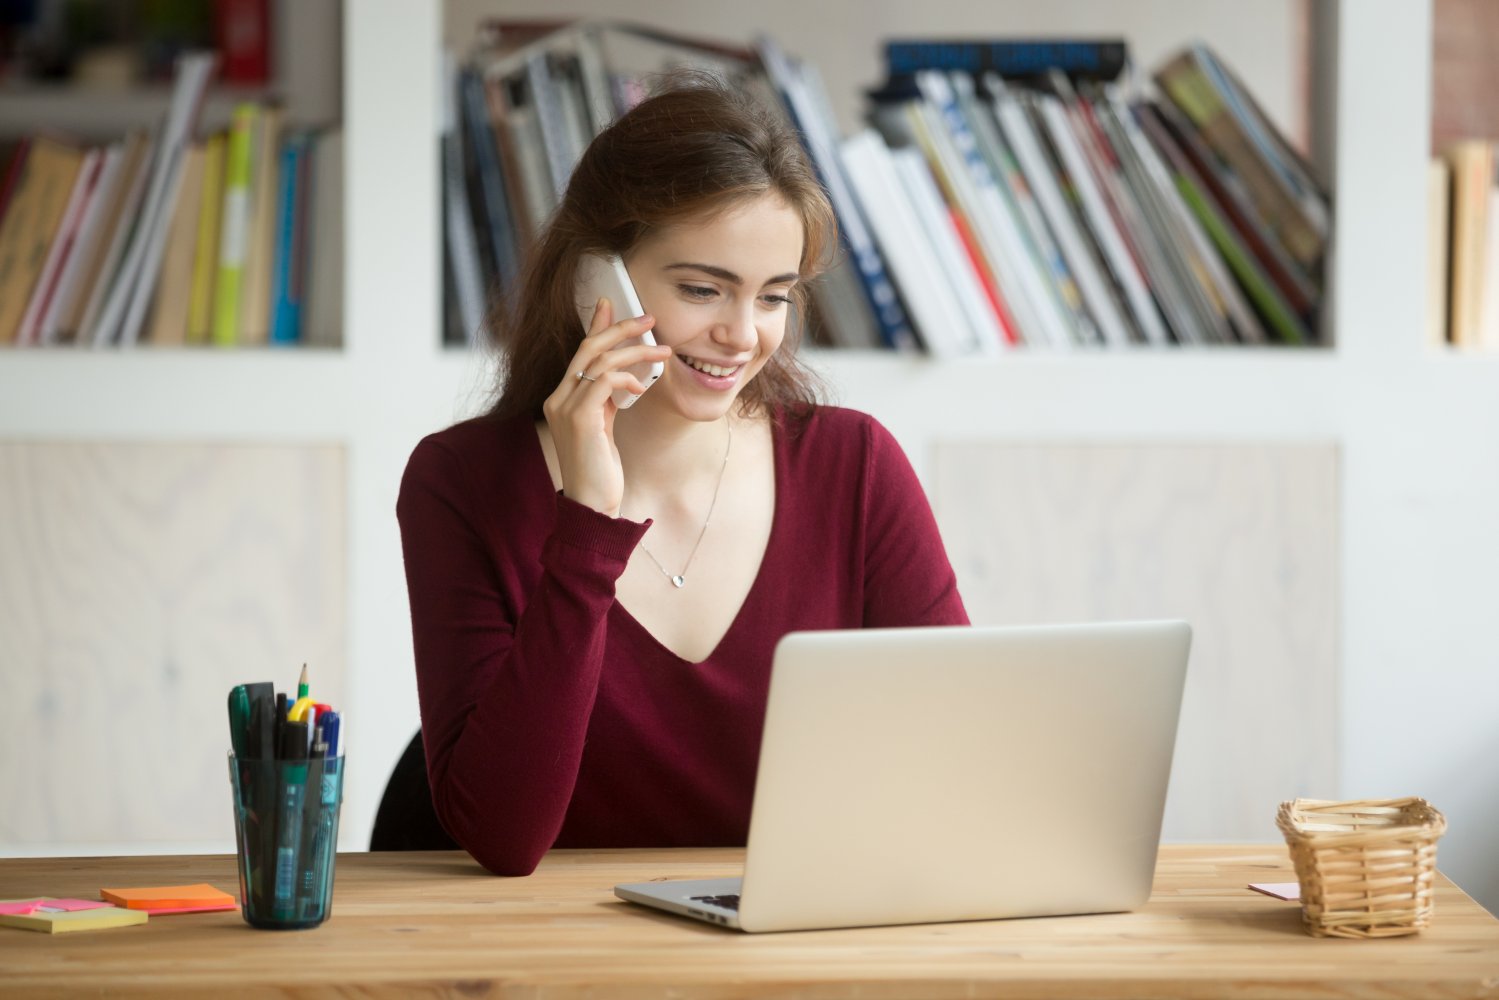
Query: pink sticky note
x=1280 y=890
x=21 y=907
x=69 y=905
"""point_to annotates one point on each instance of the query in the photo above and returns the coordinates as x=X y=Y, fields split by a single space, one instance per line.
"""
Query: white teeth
x=715 y=370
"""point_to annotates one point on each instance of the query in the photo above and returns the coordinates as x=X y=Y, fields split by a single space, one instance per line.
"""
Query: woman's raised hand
x=580 y=412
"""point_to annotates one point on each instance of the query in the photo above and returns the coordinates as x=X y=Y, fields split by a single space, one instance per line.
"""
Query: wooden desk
x=437 y=924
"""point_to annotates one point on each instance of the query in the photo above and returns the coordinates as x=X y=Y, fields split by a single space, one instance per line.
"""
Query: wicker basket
x=1366 y=868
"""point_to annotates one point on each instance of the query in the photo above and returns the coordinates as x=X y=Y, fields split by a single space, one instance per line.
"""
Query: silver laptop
x=950 y=773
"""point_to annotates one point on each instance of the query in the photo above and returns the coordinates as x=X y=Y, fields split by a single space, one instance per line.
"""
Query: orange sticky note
x=180 y=898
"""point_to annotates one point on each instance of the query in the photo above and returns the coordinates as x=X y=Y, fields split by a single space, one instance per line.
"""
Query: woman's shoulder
x=821 y=428
x=472 y=448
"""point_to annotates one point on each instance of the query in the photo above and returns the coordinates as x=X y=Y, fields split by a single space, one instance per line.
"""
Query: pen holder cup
x=286 y=830
x=1367 y=868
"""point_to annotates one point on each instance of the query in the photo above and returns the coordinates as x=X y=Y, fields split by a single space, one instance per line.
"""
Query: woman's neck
x=662 y=451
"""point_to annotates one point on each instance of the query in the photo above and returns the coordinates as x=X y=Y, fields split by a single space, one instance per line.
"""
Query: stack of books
x=171 y=237
x=1005 y=194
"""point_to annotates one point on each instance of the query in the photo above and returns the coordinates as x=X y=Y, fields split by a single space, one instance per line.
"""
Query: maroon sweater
x=550 y=716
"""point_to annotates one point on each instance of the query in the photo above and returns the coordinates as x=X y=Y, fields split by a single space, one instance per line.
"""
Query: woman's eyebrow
x=726 y=275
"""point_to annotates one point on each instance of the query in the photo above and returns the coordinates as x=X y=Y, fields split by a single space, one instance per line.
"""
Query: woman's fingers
x=603 y=316
x=596 y=345
x=599 y=387
x=625 y=357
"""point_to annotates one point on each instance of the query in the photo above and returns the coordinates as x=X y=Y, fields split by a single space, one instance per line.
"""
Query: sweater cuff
x=580 y=526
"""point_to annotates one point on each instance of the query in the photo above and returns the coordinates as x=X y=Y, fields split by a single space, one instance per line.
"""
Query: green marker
x=239 y=719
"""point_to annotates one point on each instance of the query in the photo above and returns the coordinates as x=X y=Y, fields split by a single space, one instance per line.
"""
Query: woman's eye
x=696 y=291
x=775 y=300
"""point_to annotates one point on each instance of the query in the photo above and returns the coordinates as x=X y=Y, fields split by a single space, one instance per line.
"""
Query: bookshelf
x=1413 y=434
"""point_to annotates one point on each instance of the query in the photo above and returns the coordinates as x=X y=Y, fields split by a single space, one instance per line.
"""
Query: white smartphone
x=606 y=278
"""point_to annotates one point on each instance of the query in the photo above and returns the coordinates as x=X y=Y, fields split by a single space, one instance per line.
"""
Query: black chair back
x=406 y=820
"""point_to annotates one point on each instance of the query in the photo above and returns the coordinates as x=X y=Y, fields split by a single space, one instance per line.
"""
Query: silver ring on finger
x=585 y=377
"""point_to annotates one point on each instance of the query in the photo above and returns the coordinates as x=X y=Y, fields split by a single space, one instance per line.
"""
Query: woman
x=596 y=593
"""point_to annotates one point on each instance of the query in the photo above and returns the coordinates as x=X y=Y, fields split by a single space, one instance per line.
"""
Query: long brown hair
x=693 y=148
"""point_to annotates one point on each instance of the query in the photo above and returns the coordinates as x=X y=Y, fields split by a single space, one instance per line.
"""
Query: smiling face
x=719 y=292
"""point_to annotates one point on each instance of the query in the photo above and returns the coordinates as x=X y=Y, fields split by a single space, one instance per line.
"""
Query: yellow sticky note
x=65 y=921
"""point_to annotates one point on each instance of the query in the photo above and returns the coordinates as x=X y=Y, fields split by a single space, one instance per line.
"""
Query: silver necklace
x=679 y=580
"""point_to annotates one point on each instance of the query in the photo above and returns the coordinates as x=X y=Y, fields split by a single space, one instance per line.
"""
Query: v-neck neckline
x=777 y=443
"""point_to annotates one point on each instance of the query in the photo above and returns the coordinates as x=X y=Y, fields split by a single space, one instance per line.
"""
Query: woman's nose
x=736 y=328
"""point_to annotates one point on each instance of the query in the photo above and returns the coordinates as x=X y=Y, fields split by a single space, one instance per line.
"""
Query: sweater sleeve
x=505 y=697
x=907 y=577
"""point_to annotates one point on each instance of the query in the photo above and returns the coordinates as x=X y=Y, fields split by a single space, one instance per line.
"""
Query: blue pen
x=330 y=723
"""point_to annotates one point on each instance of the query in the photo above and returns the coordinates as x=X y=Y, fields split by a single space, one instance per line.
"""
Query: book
x=41 y=197
x=1095 y=58
x=120 y=318
x=536 y=183
x=1186 y=309
x=1289 y=166
x=908 y=118
x=88 y=235
x=289 y=253
x=265 y=186
x=1117 y=255
x=987 y=333
x=460 y=239
x=1438 y=248
x=123 y=213
x=206 y=249
x=936 y=125
x=169 y=312
x=1300 y=287
x=1023 y=136
x=904 y=242
x=1472 y=175
x=59 y=248
x=1487 y=333
x=1228 y=316
x=1077 y=326
x=323 y=311
x=499 y=227
x=1223 y=122
x=234 y=224
x=557 y=140
x=242 y=33
x=15 y=160
x=1289 y=328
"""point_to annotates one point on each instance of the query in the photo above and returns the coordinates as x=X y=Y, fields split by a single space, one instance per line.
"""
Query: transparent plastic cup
x=286 y=832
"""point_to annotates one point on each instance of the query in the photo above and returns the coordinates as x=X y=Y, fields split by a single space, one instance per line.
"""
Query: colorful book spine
x=234 y=222
x=41 y=197
x=205 y=256
x=290 y=258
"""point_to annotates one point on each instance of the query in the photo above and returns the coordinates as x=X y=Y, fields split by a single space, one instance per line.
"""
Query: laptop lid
x=956 y=773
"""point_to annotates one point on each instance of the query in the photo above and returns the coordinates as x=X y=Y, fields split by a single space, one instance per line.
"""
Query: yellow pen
x=298 y=710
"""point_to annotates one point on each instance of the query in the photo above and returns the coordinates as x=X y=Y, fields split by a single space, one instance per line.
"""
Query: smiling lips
x=717 y=371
